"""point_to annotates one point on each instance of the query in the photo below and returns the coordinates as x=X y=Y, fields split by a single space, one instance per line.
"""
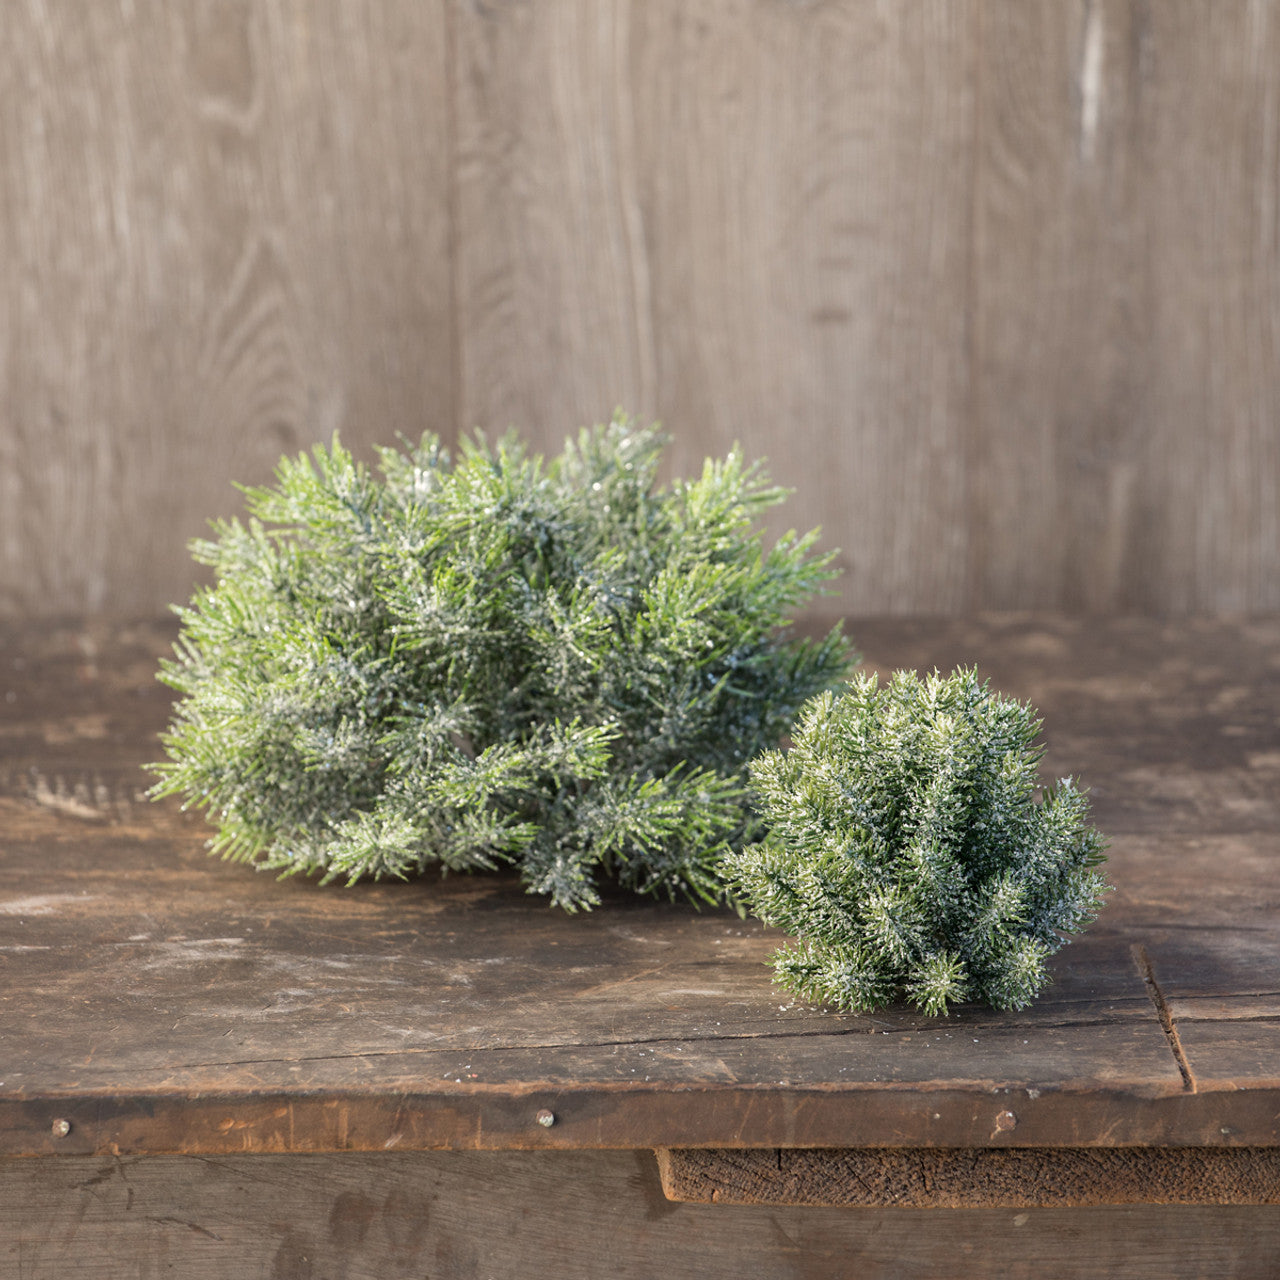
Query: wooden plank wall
x=993 y=283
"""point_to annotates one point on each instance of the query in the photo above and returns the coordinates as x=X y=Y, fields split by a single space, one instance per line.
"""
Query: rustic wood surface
x=562 y=1215
x=995 y=286
x=157 y=1000
x=973 y=1178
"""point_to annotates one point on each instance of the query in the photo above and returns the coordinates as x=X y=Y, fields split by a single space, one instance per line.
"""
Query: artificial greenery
x=493 y=660
x=907 y=853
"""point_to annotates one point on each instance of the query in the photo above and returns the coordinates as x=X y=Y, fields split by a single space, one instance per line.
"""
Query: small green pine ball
x=907 y=853
x=494 y=659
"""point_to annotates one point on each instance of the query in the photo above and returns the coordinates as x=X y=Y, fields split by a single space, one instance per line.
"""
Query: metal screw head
x=545 y=1118
x=60 y=1128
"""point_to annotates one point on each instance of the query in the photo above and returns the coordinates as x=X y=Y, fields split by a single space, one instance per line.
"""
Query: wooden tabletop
x=153 y=999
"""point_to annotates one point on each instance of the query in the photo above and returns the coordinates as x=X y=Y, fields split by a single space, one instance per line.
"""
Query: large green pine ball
x=493 y=658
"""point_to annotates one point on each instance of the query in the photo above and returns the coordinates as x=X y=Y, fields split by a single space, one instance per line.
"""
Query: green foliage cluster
x=493 y=659
x=906 y=851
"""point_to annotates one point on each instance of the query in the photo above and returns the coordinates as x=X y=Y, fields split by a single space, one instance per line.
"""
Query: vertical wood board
x=553 y=290
x=1125 y=301
x=808 y=197
x=224 y=236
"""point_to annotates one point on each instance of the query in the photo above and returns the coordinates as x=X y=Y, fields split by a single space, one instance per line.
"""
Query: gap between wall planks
x=994 y=286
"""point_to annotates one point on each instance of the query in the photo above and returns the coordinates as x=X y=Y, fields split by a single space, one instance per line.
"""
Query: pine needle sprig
x=494 y=659
x=907 y=853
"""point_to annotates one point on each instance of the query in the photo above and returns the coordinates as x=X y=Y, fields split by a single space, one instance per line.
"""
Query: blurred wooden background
x=994 y=284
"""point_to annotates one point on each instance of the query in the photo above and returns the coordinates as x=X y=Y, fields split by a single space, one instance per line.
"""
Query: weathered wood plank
x=572 y=1216
x=995 y=286
x=1226 y=1008
x=553 y=288
x=722 y=219
x=806 y=197
x=975 y=1178
x=1232 y=1053
x=225 y=235
x=206 y=967
x=380 y=1114
x=230 y=1011
x=1209 y=231
x=1123 y=451
x=1061 y=310
x=213 y=980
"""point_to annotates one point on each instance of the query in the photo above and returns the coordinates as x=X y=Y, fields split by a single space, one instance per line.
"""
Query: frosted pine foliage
x=907 y=851
x=494 y=660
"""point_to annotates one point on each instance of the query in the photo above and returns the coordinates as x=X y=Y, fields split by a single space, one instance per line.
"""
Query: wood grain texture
x=716 y=217
x=553 y=288
x=222 y=240
x=232 y=1012
x=1061 y=308
x=976 y=1178
x=813 y=173
x=1126 y=292
x=995 y=286
x=567 y=1215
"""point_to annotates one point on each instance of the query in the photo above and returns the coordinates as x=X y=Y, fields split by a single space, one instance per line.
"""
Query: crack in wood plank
x=1165 y=1014
x=449 y=1052
x=452 y=1051
x=182 y=1222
